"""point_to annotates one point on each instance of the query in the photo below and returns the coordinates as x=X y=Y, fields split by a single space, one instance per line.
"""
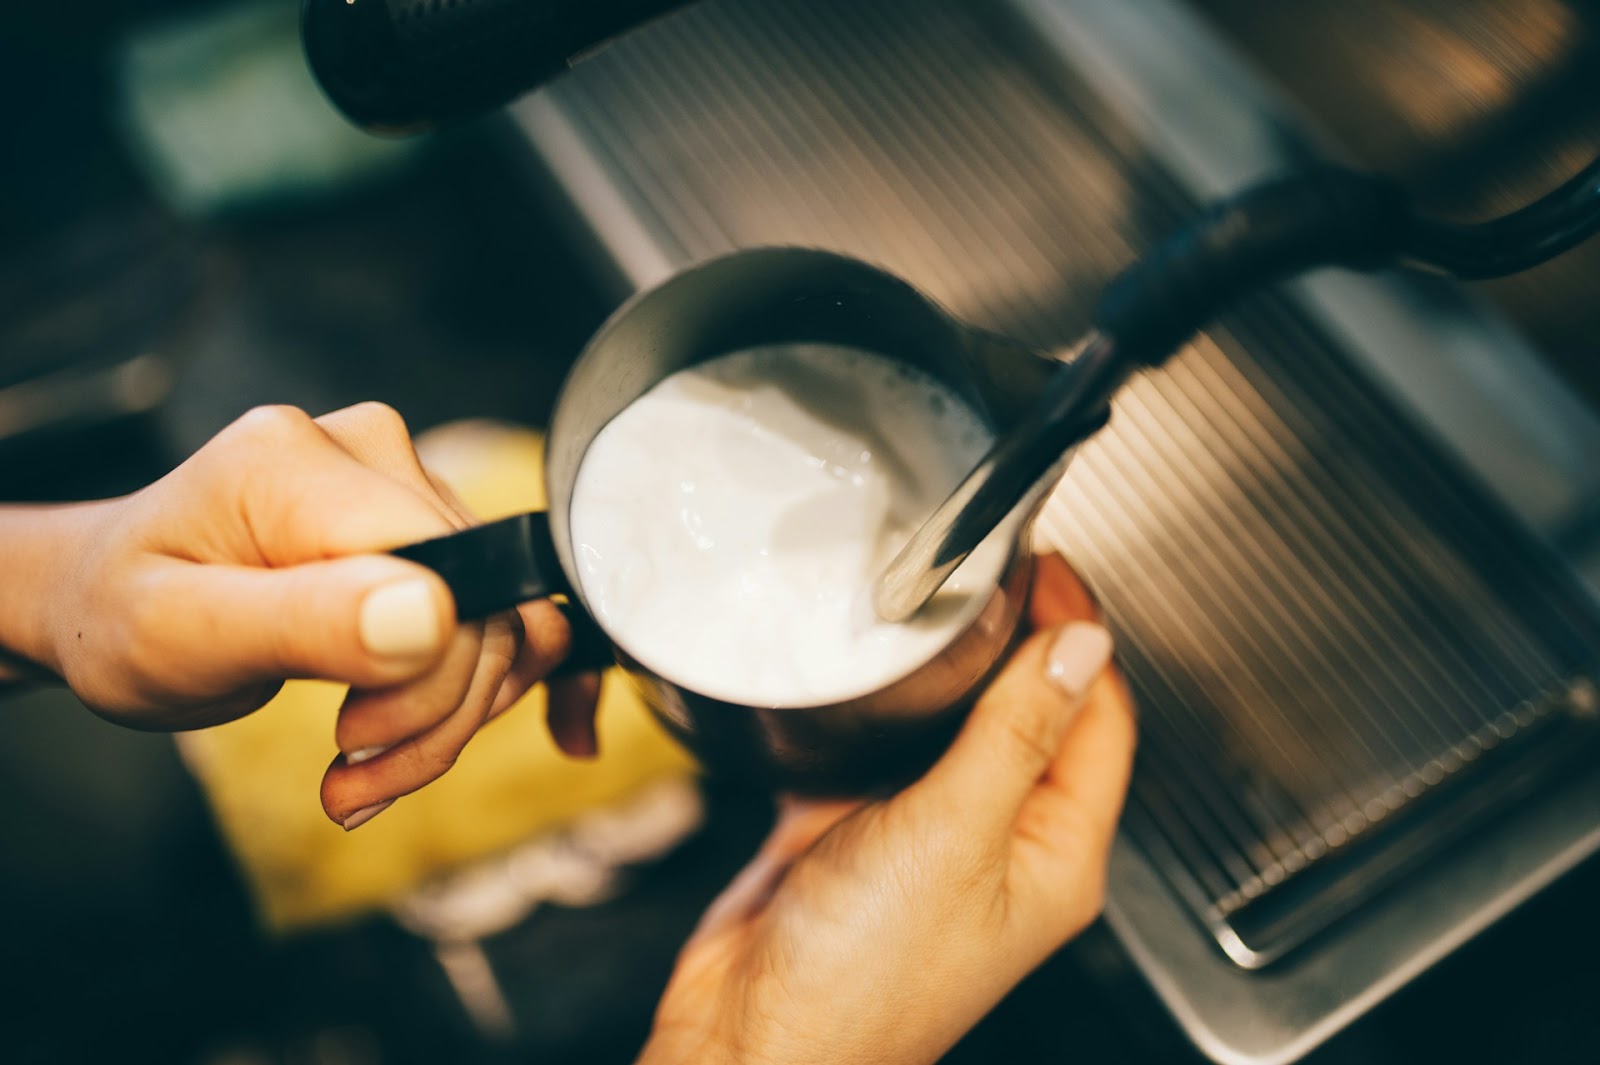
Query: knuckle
x=272 y=422
x=379 y=417
x=256 y=441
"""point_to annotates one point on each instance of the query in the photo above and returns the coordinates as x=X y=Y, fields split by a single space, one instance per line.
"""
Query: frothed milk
x=728 y=526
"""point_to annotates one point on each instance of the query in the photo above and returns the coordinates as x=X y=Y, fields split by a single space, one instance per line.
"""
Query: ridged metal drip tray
x=1347 y=656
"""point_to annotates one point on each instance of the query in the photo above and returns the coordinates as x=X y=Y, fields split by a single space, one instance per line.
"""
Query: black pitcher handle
x=500 y=565
x=494 y=567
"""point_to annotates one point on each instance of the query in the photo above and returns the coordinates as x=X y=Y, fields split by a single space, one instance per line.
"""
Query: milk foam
x=729 y=525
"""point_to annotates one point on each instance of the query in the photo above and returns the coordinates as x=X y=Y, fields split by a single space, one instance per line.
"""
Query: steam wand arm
x=1323 y=217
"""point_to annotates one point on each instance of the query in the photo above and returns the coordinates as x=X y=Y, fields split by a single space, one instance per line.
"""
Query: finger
x=1067 y=826
x=1015 y=730
x=800 y=824
x=375 y=719
x=369 y=620
x=570 y=714
x=1090 y=775
x=1059 y=595
x=376 y=435
x=544 y=638
x=353 y=791
x=570 y=703
x=304 y=497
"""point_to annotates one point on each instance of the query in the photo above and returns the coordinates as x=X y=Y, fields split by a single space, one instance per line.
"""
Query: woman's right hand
x=881 y=932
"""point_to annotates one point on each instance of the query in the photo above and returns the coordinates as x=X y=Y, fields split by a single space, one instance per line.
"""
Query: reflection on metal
x=467 y=968
x=84 y=397
x=1334 y=631
x=92 y=322
x=1475 y=103
x=581 y=864
x=1322 y=613
x=1464 y=374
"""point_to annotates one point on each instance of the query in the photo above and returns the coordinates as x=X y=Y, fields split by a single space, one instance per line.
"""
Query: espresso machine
x=1345 y=523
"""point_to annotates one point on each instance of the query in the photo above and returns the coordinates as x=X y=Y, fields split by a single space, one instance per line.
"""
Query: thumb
x=366 y=620
x=1016 y=728
x=800 y=824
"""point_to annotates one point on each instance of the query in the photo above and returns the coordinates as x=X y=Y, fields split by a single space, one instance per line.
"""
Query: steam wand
x=407 y=65
x=1322 y=217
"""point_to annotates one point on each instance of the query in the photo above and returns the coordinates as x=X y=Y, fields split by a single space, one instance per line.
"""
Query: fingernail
x=400 y=621
x=1078 y=656
x=365 y=814
x=362 y=754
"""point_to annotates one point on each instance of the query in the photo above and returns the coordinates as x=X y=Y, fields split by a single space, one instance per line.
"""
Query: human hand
x=882 y=932
x=260 y=559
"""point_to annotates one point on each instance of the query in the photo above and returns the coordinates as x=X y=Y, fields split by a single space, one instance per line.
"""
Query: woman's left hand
x=263 y=558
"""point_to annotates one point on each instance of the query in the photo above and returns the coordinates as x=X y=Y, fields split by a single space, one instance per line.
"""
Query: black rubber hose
x=1513 y=243
x=1322 y=217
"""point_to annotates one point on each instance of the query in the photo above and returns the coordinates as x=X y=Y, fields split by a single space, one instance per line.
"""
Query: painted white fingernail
x=400 y=620
x=1077 y=657
x=362 y=754
x=365 y=814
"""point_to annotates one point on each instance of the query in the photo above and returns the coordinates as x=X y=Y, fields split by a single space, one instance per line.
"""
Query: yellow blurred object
x=262 y=773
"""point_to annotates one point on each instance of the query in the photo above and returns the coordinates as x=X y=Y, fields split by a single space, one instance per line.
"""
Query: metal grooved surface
x=1321 y=624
